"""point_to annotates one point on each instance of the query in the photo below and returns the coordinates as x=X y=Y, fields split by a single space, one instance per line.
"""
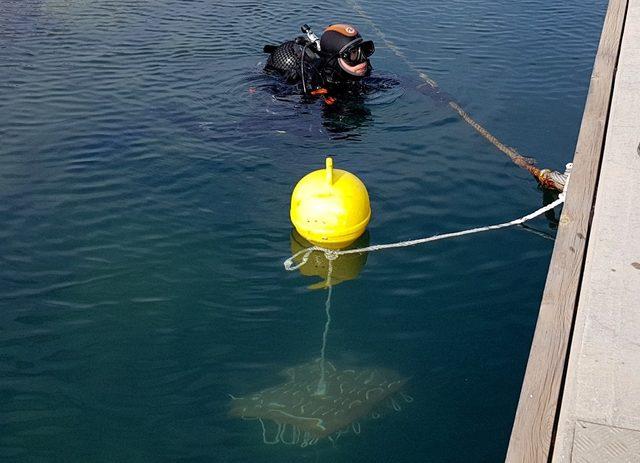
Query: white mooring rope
x=332 y=254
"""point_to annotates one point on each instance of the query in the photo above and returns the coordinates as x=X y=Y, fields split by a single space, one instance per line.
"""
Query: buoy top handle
x=329 y=173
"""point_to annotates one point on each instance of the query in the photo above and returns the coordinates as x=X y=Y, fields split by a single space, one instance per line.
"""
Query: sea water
x=146 y=166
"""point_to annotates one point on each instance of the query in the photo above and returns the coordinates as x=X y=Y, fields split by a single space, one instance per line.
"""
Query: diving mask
x=357 y=51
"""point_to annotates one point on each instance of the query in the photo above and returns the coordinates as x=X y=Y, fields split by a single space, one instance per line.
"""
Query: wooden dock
x=580 y=399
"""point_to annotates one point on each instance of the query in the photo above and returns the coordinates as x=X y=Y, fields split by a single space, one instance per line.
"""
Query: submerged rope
x=547 y=178
x=321 y=389
x=331 y=254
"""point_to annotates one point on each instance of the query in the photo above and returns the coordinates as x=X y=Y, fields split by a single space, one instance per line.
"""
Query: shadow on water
x=286 y=110
x=272 y=107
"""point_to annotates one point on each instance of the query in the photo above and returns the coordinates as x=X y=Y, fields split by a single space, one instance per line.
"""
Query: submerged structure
x=318 y=400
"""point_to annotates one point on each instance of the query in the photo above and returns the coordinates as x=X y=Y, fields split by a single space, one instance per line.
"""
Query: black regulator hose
x=304 y=52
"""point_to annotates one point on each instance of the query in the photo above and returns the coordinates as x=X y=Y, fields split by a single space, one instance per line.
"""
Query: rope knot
x=331 y=255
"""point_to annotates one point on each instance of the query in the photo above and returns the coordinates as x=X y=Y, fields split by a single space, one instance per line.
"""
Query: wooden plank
x=531 y=437
x=602 y=382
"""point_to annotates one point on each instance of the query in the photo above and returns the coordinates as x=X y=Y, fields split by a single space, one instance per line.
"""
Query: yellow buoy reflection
x=346 y=267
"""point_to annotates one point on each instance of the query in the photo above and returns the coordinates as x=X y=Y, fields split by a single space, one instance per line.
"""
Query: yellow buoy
x=330 y=207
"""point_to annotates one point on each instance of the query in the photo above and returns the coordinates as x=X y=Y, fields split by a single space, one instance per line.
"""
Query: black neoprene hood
x=333 y=42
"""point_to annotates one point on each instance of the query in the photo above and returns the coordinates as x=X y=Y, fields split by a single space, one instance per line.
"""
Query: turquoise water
x=145 y=174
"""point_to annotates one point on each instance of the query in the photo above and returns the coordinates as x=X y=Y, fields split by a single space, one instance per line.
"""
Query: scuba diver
x=333 y=64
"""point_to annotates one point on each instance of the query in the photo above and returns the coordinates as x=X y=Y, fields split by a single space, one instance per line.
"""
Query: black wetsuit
x=299 y=63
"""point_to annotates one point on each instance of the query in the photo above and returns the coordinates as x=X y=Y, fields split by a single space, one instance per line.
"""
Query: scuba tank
x=296 y=60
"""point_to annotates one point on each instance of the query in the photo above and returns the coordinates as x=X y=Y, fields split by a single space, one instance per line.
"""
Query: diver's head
x=345 y=50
